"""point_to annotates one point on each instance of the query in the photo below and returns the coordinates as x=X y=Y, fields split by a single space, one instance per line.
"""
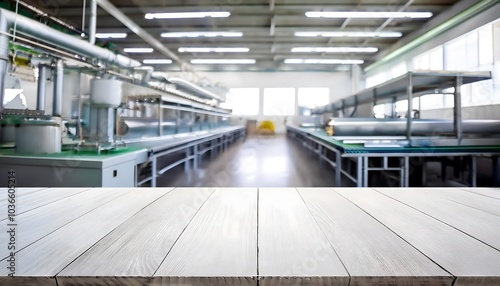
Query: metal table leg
x=186 y=164
x=338 y=170
x=195 y=159
x=153 y=172
x=473 y=171
x=359 y=176
x=406 y=168
x=365 y=172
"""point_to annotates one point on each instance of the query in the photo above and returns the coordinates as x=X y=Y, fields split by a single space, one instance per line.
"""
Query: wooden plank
x=20 y=192
x=49 y=255
x=472 y=200
x=134 y=250
x=476 y=221
x=219 y=245
x=292 y=248
x=487 y=192
x=37 y=199
x=40 y=222
x=371 y=252
x=471 y=261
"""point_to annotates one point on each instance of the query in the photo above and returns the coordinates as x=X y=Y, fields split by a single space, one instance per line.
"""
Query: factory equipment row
x=359 y=149
x=98 y=115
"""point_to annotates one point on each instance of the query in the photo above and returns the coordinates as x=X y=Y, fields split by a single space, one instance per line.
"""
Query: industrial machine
x=101 y=119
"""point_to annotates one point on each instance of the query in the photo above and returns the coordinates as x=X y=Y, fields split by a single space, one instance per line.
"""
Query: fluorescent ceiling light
x=350 y=34
x=214 y=50
x=323 y=61
x=138 y=50
x=326 y=14
x=222 y=61
x=156 y=61
x=111 y=35
x=334 y=50
x=187 y=15
x=201 y=34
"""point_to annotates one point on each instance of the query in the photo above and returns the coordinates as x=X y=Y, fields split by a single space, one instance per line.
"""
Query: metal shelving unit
x=410 y=85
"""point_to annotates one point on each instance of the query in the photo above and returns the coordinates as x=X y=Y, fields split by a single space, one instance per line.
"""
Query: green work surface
x=359 y=148
x=66 y=154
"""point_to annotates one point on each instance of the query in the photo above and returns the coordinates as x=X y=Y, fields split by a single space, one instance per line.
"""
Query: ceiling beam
x=148 y=38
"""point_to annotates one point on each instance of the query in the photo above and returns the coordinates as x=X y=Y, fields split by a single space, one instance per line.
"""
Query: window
x=312 y=97
x=456 y=54
x=431 y=60
x=431 y=101
x=436 y=59
x=399 y=70
x=486 y=45
x=401 y=106
x=376 y=79
x=379 y=111
x=243 y=101
x=279 y=101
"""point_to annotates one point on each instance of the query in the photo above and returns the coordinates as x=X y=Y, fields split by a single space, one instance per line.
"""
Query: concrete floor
x=263 y=161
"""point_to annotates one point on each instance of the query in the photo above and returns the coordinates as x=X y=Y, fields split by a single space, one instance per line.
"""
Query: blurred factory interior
x=122 y=93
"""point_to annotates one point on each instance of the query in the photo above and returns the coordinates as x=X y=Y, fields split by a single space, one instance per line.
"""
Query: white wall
x=338 y=82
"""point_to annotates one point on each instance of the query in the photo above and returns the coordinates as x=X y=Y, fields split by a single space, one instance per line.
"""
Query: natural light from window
x=243 y=101
x=279 y=101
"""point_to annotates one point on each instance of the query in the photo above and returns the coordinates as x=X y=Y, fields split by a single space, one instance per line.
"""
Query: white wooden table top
x=250 y=236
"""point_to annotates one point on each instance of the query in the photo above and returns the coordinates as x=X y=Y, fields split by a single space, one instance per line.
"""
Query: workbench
x=355 y=161
x=250 y=236
x=116 y=168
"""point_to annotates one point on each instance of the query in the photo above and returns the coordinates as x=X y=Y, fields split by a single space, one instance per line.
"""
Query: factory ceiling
x=257 y=35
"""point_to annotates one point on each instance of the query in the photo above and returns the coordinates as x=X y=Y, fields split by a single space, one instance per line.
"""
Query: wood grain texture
x=204 y=281
x=138 y=246
x=105 y=281
x=291 y=244
x=39 y=222
x=27 y=281
x=487 y=192
x=49 y=255
x=37 y=199
x=220 y=241
x=371 y=252
x=475 y=215
x=459 y=254
x=20 y=192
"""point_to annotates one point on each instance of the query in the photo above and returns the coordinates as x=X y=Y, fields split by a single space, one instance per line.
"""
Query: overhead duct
x=44 y=33
x=193 y=87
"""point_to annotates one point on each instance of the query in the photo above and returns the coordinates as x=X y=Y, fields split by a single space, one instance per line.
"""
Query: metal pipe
x=410 y=105
x=93 y=21
x=420 y=127
x=58 y=89
x=142 y=33
x=42 y=78
x=44 y=33
x=191 y=86
x=457 y=109
x=4 y=58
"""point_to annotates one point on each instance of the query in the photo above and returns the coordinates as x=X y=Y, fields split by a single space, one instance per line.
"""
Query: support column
x=93 y=21
x=58 y=89
x=41 y=85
